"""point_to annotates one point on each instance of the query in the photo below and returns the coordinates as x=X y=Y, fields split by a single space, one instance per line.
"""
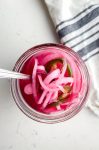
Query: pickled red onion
x=58 y=107
x=44 y=86
x=48 y=96
x=40 y=67
x=34 y=80
x=53 y=75
x=42 y=97
x=76 y=73
x=28 y=89
x=61 y=88
x=53 y=97
x=52 y=83
x=64 y=80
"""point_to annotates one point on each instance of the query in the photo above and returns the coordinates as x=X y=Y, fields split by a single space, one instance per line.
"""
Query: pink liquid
x=28 y=69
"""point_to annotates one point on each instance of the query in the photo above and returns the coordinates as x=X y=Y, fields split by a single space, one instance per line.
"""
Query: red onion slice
x=54 y=97
x=28 y=89
x=44 y=86
x=42 y=97
x=48 y=96
x=51 y=76
x=64 y=80
x=34 y=80
x=61 y=88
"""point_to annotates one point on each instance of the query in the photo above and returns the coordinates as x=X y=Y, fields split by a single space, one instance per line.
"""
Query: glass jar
x=53 y=117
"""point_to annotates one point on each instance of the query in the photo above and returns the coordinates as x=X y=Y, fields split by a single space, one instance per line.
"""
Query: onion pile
x=56 y=77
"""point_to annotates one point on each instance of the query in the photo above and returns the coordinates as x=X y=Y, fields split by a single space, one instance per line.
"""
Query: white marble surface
x=23 y=24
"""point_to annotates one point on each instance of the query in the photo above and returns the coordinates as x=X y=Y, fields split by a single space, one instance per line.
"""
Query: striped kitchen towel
x=77 y=25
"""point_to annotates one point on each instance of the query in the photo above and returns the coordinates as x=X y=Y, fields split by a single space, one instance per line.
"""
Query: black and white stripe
x=82 y=32
x=91 y=54
x=90 y=47
x=77 y=17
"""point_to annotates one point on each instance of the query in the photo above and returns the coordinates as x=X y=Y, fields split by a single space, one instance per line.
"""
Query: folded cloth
x=77 y=25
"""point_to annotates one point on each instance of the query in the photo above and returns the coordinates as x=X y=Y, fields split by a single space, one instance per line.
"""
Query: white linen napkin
x=77 y=25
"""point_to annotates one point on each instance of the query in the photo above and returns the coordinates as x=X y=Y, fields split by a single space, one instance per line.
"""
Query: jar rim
x=25 y=108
